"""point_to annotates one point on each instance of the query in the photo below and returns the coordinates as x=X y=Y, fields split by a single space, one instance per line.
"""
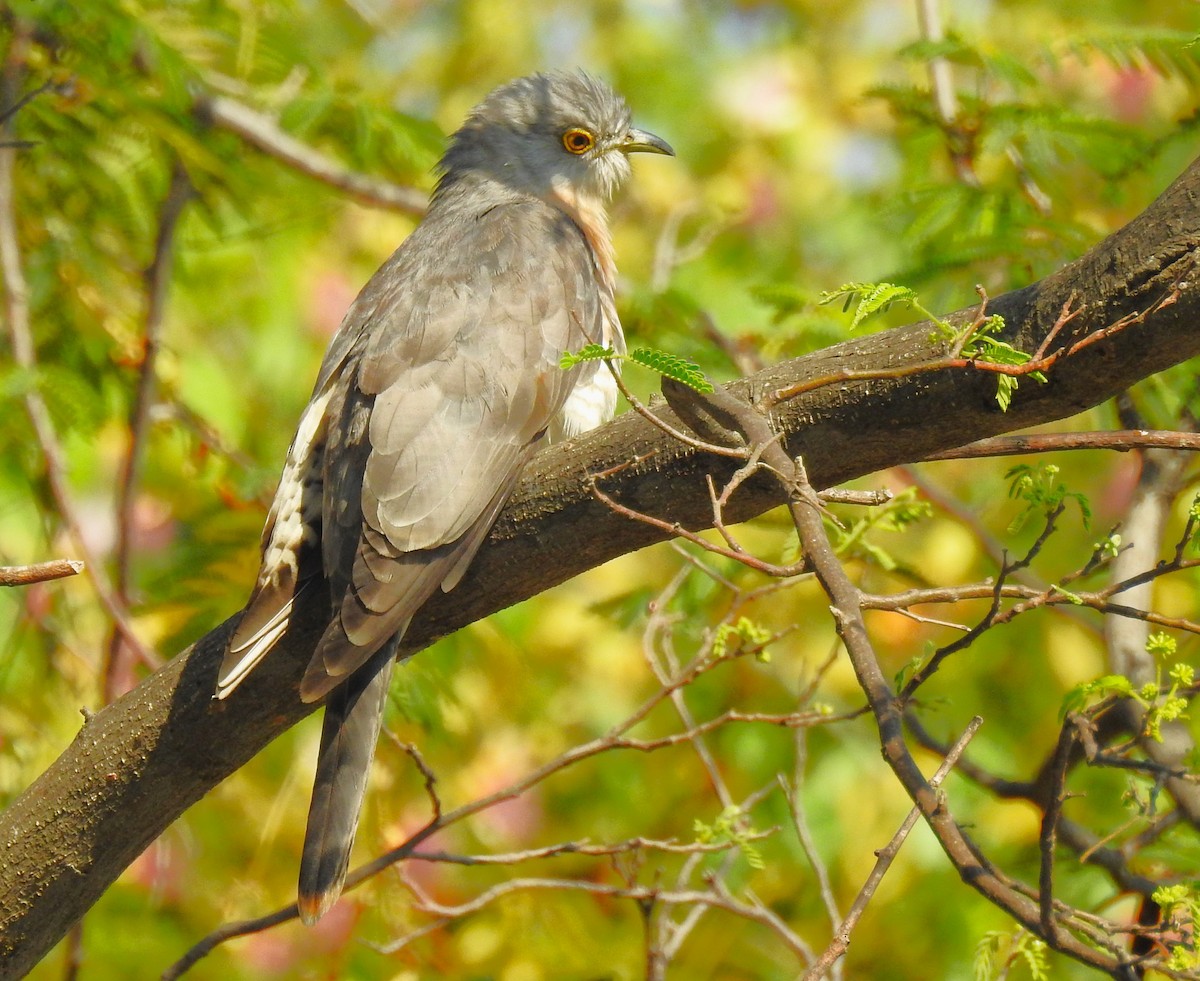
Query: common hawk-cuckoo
x=440 y=384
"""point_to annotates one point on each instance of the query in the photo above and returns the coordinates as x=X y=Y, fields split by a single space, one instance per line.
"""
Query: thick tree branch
x=138 y=764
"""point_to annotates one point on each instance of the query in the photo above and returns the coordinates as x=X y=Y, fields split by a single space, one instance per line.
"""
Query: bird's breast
x=587 y=211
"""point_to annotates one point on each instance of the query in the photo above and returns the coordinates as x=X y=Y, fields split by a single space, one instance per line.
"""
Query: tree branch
x=262 y=132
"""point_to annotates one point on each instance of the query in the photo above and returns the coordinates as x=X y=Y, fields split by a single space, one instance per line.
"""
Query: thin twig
x=26 y=575
x=804 y=833
x=658 y=627
x=1122 y=441
x=703 y=446
x=717 y=898
x=585 y=847
x=885 y=857
x=676 y=530
x=261 y=131
x=1048 y=836
x=157 y=279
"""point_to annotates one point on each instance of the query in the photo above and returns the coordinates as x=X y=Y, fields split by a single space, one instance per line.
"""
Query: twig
x=804 y=833
x=26 y=575
x=1085 y=843
x=676 y=530
x=668 y=253
x=993 y=616
x=198 y=951
x=703 y=446
x=1122 y=441
x=717 y=898
x=584 y=847
x=858 y=498
x=427 y=774
x=659 y=626
x=157 y=278
x=261 y=131
x=884 y=859
x=944 y=99
x=1048 y=837
x=7 y=112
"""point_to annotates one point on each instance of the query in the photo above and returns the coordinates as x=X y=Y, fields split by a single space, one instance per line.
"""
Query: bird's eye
x=578 y=141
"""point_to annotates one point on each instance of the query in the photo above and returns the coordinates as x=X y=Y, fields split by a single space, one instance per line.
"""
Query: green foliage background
x=809 y=155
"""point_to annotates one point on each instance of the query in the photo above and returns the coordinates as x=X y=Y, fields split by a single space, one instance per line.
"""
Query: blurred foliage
x=810 y=153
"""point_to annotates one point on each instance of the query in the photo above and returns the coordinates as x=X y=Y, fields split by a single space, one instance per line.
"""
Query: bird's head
x=552 y=134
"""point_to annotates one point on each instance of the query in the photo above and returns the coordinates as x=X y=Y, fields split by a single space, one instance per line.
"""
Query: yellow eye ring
x=578 y=141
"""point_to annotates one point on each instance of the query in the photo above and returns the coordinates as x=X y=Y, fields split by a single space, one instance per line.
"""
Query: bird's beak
x=639 y=141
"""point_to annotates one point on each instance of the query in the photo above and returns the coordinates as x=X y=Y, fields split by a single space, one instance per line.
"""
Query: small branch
x=717 y=897
x=230 y=931
x=584 y=847
x=993 y=615
x=1033 y=192
x=736 y=453
x=945 y=100
x=1048 y=838
x=427 y=774
x=261 y=131
x=804 y=833
x=885 y=857
x=7 y=112
x=666 y=665
x=26 y=575
x=676 y=530
x=1122 y=441
x=858 y=498
x=157 y=279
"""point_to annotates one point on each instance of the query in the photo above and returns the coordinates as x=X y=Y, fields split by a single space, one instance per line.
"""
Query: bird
x=442 y=381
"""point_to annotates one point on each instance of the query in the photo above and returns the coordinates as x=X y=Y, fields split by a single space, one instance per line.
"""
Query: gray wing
x=291 y=547
x=445 y=394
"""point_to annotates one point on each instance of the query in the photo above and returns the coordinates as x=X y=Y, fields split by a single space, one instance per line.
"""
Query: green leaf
x=872 y=298
x=672 y=366
x=666 y=364
x=592 y=352
x=1089 y=692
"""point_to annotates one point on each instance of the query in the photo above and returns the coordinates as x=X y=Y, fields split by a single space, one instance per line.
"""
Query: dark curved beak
x=639 y=141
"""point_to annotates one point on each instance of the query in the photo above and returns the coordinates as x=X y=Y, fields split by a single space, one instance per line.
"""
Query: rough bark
x=138 y=764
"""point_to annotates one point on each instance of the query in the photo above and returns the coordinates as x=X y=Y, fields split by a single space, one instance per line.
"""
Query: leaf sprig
x=663 y=362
